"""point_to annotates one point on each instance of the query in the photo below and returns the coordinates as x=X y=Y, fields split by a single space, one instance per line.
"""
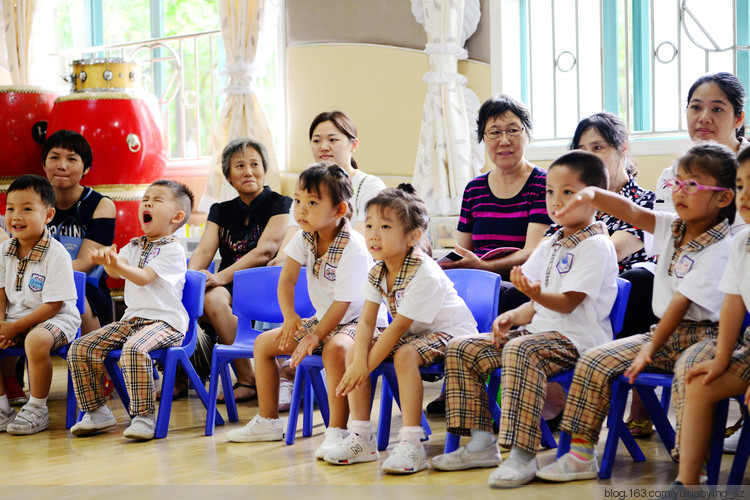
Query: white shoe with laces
x=285 y=394
x=406 y=458
x=258 y=429
x=353 y=449
x=334 y=436
x=30 y=420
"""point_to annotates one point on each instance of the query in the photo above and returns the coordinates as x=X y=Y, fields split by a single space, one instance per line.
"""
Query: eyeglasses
x=497 y=133
x=690 y=186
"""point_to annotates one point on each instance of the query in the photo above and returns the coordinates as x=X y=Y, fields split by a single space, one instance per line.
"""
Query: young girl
x=728 y=373
x=337 y=263
x=693 y=246
x=427 y=312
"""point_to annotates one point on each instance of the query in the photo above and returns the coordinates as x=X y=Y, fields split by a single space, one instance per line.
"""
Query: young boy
x=37 y=297
x=153 y=267
x=571 y=281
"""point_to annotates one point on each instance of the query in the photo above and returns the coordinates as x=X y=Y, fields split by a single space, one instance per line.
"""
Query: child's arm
x=388 y=340
x=519 y=316
x=285 y=294
x=330 y=320
x=615 y=205
x=118 y=267
x=357 y=370
x=559 y=302
x=730 y=324
x=667 y=325
x=9 y=329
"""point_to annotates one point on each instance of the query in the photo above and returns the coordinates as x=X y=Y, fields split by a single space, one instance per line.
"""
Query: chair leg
x=321 y=394
x=386 y=406
x=548 y=440
x=71 y=405
x=563 y=444
x=167 y=393
x=196 y=384
x=119 y=382
x=740 y=457
x=616 y=412
x=658 y=415
x=451 y=442
x=213 y=389
x=717 y=442
x=307 y=407
x=297 y=390
x=226 y=384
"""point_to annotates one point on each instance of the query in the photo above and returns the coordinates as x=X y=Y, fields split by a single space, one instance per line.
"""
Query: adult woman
x=247 y=231
x=333 y=139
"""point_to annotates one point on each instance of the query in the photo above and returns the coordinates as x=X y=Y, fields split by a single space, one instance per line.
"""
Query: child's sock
x=581 y=449
x=37 y=401
x=4 y=404
x=362 y=428
x=480 y=440
x=411 y=434
x=522 y=456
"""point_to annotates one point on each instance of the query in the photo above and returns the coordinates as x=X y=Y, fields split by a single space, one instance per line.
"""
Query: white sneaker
x=730 y=443
x=141 y=428
x=94 y=421
x=258 y=429
x=6 y=417
x=406 y=458
x=334 y=435
x=462 y=459
x=512 y=473
x=285 y=394
x=30 y=420
x=569 y=468
x=353 y=449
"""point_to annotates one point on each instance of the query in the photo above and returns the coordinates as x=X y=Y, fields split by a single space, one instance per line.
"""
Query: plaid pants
x=136 y=337
x=527 y=360
x=591 y=389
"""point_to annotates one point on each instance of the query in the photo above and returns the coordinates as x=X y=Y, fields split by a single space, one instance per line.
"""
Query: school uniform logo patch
x=684 y=265
x=36 y=282
x=152 y=254
x=399 y=297
x=565 y=263
x=329 y=272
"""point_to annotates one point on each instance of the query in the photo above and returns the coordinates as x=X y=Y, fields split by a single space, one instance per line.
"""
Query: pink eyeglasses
x=690 y=186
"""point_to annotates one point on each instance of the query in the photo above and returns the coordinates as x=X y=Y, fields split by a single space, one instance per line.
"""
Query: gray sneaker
x=94 y=421
x=6 y=417
x=141 y=428
x=30 y=420
x=462 y=459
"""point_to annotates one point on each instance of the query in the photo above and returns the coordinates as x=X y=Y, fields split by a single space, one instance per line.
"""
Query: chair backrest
x=255 y=295
x=80 y=281
x=192 y=299
x=481 y=292
x=617 y=314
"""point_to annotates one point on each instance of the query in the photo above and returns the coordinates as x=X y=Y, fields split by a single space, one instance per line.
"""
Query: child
x=571 y=281
x=427 y=312
x=153 y=267
x=728 y=374
x=693 y=246
x=337 y=263
x=37 y=297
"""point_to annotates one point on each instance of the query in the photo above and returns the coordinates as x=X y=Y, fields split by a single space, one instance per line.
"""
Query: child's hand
x=356 y=373
x=287 y=331
x=584 y=197
x=712 y=370
x=305 y=347
x=501 y=326
x=531 y=289
x=639 y=363
x=7 y=334
x=106 y=256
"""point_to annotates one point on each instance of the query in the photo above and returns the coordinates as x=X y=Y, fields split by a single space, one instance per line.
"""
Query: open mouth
x=147 y=217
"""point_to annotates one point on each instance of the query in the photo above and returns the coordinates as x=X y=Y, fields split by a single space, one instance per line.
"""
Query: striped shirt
x=502 y=222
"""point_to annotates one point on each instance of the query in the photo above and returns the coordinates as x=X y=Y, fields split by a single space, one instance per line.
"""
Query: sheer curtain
x=17 y=18
x=242 y=114
x=448 y=156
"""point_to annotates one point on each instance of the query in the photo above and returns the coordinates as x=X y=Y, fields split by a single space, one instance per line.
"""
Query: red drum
x=21 y=108
x=126 y=135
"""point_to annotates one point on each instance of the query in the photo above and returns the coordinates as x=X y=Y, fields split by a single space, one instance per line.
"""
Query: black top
x=78 y=220
x=240 y=225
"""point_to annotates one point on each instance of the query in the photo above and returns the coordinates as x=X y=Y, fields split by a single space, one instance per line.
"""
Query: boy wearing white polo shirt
x=571 y=281
x=37 y=297
x=153 y=267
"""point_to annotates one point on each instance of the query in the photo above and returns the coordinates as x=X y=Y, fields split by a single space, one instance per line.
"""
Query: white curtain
x=242 y=114
x=448 y=156
x=17 y=18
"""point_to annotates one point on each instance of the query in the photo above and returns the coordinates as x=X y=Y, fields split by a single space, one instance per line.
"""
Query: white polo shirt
x=696 y=275
x=430 y=301
x=162 y=298
x=49 y=279
x=734 y=281
x=589 y=267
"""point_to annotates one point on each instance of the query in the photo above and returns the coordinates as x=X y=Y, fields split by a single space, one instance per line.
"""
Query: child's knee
x=406 y=356
x=38 y=343
x=337 y=347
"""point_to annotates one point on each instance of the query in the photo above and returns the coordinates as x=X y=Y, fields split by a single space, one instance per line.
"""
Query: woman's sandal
x=237 y=385
x=640 y=427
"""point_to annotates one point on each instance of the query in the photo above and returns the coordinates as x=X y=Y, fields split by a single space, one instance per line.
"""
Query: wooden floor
x=192 y=465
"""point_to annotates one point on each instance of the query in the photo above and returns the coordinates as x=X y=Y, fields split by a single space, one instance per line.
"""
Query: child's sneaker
x=569 y=468
x=334 y=436
x=258 y=429
x=141 y=428
x=353 y=449
x=30 y=420
x=15 y=393
x=93 y=421
x=6 y=418
x=406 y=458
x=462 y=459
x=285 y=394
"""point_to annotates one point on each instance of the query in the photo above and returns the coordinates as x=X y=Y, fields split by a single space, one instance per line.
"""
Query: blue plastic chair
x=192 y=299
x=71 y=405
x=480 y=290
x=616 y=318
x=255 y=299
